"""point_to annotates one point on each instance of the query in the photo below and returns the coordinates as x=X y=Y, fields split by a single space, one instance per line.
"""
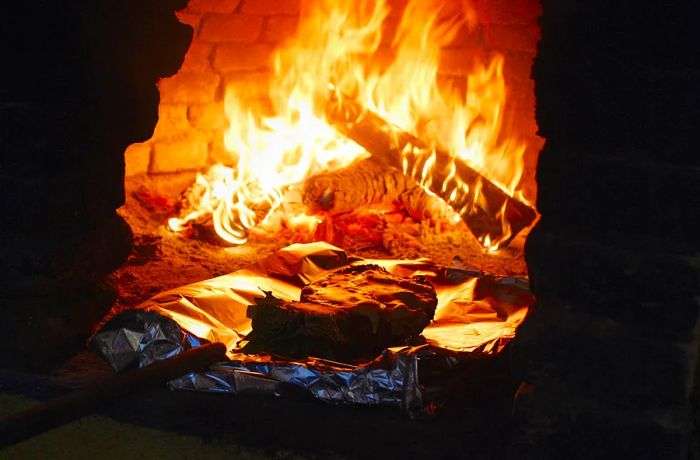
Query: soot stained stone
x=78 y=89
x=608 y=355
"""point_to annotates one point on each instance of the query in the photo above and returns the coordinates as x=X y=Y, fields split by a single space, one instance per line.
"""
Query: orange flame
x=338 y=44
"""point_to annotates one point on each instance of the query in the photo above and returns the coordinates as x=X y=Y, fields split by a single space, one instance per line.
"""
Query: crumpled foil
x=476 y=317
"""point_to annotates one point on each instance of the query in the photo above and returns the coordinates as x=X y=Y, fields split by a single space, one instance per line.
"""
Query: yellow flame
x=279 y=144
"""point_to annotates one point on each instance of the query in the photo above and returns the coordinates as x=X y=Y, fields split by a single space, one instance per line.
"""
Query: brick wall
x=233 y=41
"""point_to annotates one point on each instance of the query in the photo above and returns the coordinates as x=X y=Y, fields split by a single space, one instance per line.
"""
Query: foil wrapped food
x=476 y=317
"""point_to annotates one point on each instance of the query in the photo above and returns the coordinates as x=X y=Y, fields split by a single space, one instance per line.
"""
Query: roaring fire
x=275 y=146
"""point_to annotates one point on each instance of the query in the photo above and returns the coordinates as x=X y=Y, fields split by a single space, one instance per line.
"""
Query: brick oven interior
x=97 y=156
x=232 y=46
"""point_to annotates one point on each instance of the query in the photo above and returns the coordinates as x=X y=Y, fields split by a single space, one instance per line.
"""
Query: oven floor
x=164 y=260
x=175 y=425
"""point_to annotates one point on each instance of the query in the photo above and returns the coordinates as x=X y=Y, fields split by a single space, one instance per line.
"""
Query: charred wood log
x=486 y=209
x=366 y=182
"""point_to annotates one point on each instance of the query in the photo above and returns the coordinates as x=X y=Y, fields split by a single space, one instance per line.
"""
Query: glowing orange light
x=337 y=44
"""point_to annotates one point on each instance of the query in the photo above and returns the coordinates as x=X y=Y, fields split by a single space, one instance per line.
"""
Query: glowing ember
x=336 y=46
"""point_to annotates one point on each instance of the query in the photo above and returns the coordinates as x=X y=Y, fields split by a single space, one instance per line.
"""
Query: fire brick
x=251 y=87
x=212 y=6
x=271 y=7
x=182 y=153
x=206 y=117
x=510 y=12
x=172 y=118
x=233 y=28
x=230 y=58
x=192 y=19
x=198 y=58
x=279 y=28
x=514 y=37
x=138 y=157
x=189 y=87
x=518 y=65
x=467 y=38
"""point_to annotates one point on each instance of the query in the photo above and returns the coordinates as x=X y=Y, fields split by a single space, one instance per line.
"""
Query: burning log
x=491 y=214
x=367 y=182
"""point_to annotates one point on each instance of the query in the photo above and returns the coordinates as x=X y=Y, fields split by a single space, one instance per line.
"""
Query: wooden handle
x=51 y=414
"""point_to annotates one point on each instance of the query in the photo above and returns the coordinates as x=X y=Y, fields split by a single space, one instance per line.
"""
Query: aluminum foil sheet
x=476 y=316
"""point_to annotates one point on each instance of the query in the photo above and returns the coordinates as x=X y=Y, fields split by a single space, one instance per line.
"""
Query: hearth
x=606 y=360
x=387 y=137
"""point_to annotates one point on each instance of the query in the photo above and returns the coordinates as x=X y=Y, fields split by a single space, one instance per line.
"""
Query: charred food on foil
x=351 y=314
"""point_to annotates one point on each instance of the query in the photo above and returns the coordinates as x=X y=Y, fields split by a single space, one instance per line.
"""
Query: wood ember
x=480 y=206
x=369 y=205
x=388 y=231
x=350 y=314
